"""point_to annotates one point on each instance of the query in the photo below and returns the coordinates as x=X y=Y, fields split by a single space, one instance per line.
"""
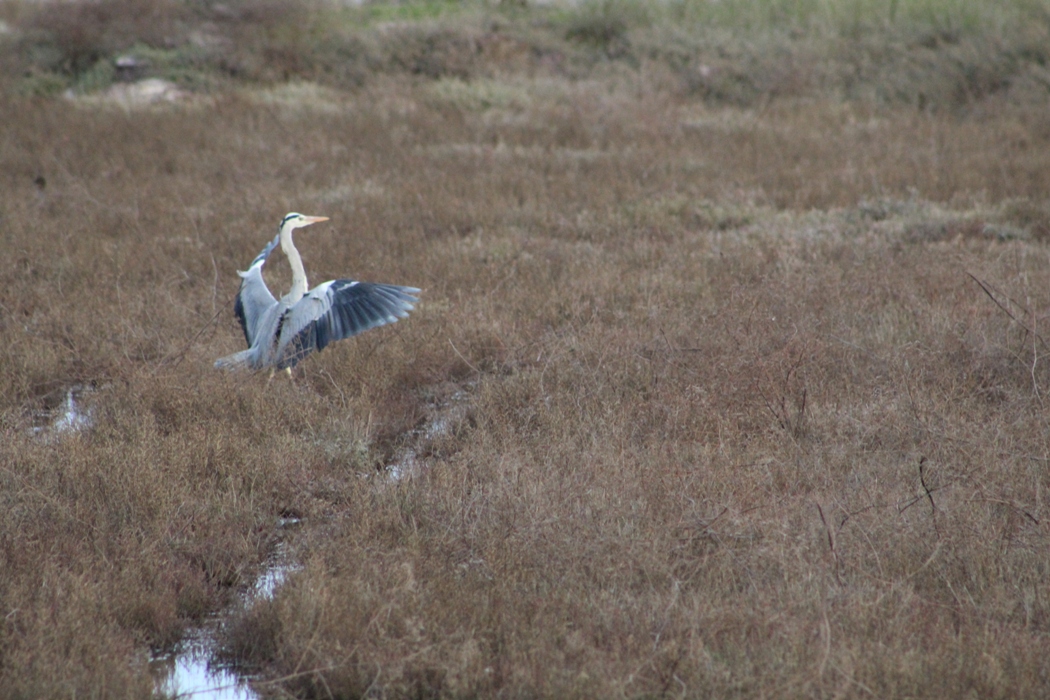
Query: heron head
x=296 y=220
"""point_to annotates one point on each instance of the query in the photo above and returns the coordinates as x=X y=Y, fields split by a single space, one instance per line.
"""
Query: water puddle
x=442 y=418
x=191 y=670
x=189 y=673
x=70 y=417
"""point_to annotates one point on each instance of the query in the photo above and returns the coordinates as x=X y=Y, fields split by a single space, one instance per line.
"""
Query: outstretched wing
x=339 y=309
x=254 y=298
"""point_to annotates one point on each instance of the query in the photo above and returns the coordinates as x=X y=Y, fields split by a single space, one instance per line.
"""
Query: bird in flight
x=282 y=332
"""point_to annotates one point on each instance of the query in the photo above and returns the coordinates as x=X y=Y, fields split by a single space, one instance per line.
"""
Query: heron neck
x=299 y=283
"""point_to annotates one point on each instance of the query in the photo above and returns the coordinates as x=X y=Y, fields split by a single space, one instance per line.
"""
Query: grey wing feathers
x=339 y=309
x=254 y=298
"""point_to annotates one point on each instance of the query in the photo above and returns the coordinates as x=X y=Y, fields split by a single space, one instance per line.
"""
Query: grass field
x=742 y=309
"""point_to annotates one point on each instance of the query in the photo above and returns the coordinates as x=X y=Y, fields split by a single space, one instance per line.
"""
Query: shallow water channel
x=189 y=673
x=192 y=669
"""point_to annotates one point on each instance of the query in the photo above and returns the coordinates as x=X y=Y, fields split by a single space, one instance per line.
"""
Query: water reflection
x=190 y=671
x=66 y=419
x=443 y=419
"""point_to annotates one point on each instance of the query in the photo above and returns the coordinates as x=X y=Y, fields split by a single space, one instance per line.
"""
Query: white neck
x=299 y=283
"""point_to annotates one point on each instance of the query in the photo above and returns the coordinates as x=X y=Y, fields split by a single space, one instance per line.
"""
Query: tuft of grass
x=605 y=25
x=480 y=95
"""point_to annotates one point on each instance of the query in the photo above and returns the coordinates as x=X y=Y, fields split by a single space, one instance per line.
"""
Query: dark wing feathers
x=253 y=298
x=238 y=311
x=340 y=309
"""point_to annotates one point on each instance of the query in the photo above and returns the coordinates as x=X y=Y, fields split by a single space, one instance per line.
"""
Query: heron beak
x=314 y=219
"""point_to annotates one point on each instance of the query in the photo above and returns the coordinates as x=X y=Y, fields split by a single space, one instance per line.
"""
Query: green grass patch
x=931 y=54
x=415 y=10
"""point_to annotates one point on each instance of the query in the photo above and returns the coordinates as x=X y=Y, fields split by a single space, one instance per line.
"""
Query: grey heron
x=280 y=333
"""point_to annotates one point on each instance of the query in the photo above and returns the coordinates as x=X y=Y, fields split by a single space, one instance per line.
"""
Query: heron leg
x=273 y=371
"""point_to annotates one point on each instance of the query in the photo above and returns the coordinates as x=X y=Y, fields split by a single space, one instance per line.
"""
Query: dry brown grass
x=740 y=421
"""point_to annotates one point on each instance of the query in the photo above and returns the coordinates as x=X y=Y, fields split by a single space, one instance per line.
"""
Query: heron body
x=282 y=332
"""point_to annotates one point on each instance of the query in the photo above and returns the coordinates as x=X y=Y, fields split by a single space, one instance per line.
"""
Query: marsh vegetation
x=742 y=307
